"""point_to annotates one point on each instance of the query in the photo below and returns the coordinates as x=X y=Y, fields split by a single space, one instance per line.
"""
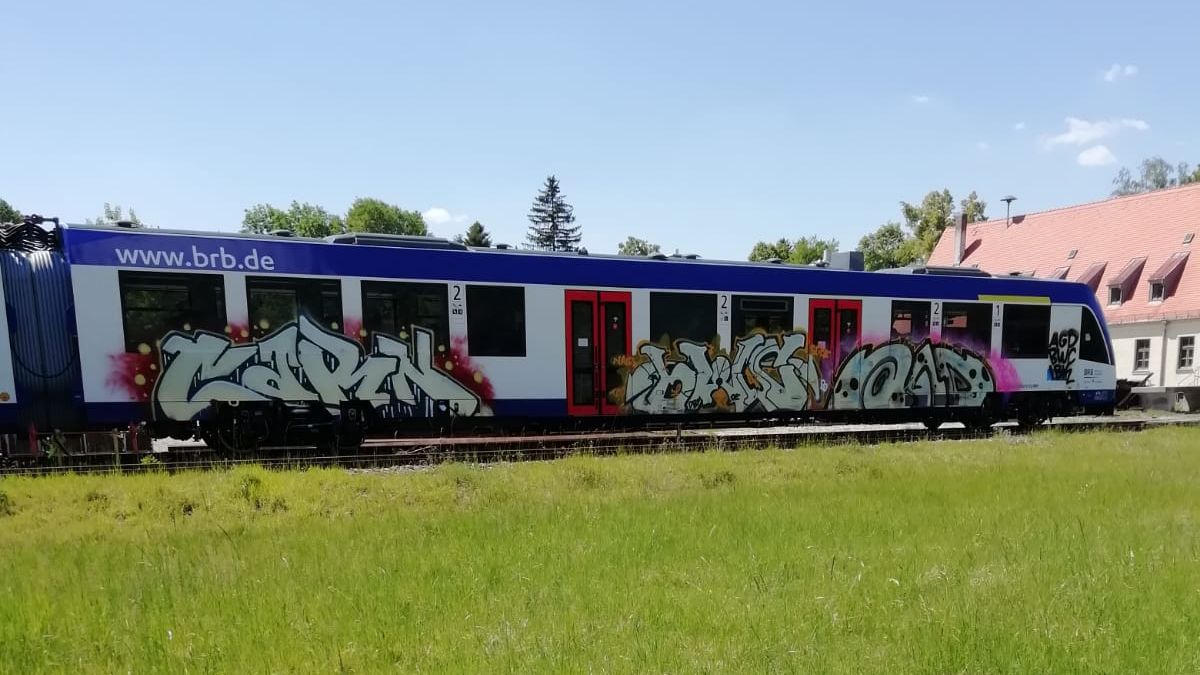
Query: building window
x=683 y=316
x=394 y=308
x=275 y=302
x=1157 y=291
x=1187 y=350
x=1092 y=346
x=154 y=304
x=1026 y=332
x=1114 y=295
x=496 y=320
x=968 y=324
x=771 y=314
x=910 y=320
x=1141 y=354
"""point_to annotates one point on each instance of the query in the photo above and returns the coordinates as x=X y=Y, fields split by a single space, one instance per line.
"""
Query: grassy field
x=1049 y=553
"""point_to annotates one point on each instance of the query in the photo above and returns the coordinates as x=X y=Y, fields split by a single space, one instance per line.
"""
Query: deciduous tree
x=306 y=220
x=379 y=217
x=8 y=214
x=113 y=214
x=1154 y=173
x=802 y=251
x=635 y=246
x=888 y=247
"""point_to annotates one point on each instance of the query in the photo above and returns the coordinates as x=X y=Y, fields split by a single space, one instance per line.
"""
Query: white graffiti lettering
x=301 y=362
x=767 y=372
x=901 y=375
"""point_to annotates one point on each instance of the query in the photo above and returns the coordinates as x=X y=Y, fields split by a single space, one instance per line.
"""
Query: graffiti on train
x=1064 y=349
x=901 y=374
x=764 y=371
x=301 y=362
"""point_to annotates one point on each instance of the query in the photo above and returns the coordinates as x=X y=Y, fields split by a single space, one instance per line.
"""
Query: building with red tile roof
x=1133 y=251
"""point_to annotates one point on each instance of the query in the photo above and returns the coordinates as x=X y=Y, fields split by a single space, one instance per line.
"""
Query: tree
x=766 y=250
x=8 y=214
x=378 y=217
x=306 y=220
x=550 y=220
x=113 y=214
x=811 y=249
x=801 y=252
x=635 y=246
x=888 y=247
x=1154 y=173
x=974 y=207
x=476 y=236
x=928 y=219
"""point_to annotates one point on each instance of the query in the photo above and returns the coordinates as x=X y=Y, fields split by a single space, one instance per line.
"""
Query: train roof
x=389 y=256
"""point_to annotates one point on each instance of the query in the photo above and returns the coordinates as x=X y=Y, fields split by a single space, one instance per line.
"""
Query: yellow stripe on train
x=1024 y=299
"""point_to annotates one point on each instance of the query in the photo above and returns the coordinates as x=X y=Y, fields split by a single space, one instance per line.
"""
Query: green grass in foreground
x=1050 y=553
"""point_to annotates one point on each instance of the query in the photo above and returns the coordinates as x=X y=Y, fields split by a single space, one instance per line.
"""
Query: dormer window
x=1158 y=291
x=1114 y=295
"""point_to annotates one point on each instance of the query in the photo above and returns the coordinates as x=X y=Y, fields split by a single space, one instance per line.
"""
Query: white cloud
x=1019 y=126
x=1117 y=71
x=920 y=98
x=983 y=146
x=439 y=216
x=1082 y=132
x=1097 y=155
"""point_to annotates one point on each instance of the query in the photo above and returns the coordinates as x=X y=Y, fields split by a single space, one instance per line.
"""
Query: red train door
x=834 y=325
x=598 y=331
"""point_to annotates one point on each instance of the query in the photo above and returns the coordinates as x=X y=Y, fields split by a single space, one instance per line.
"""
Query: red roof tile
x=1106 y=235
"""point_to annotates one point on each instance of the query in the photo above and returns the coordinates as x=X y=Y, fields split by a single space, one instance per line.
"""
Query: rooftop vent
x=503 y=247
x=124 y=223
x=657 y=256
x=1187 y=238
x=282 y=233
x=395 y=240
x=1072 y=253
x=775 y=261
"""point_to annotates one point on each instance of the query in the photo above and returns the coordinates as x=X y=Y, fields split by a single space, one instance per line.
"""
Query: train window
x=393 y=308
x=153 y=304
x=1091 y=341
x=275 y=302
x=683 y=316
x=1026 y=331
x=968 y=324
x=496 y=320
x=766 y=313
x=910 y=320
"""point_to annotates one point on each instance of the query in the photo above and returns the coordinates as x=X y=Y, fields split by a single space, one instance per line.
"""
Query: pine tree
x=551 y=217
x=476 y=236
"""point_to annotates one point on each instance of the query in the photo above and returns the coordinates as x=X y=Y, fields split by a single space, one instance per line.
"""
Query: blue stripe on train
x=199 y=253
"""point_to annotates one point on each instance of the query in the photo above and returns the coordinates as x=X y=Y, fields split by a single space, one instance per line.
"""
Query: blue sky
x=700 y=126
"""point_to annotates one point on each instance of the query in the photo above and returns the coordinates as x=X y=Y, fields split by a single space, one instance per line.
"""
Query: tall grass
x=1050 y=553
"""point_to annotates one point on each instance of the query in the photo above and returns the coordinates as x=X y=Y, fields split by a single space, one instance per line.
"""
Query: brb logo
x=220 y=260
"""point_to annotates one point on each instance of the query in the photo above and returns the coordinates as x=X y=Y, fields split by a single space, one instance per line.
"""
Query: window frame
x=214 y=320
x=417 y=291
x=915 y=309
x=984 y=311
x=738 y=313
x=1190 y=348
x=1010 y=324
x=1119 y=295
x=1139 y=367
x=309 y=293
x=677 y=299
x=482 y=311
x=1162 y=291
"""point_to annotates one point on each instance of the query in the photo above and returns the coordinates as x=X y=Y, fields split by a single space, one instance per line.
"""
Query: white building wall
x=1163 y=366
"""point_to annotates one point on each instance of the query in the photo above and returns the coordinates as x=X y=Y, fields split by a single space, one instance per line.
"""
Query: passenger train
x=247 y=341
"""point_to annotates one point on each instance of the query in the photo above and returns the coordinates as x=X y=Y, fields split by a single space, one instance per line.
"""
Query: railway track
x=387 y=452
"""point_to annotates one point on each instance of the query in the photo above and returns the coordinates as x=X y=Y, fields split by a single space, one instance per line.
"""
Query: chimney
x=960 y=239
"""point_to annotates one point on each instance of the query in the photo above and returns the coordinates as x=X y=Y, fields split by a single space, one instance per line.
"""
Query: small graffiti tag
x=1064 y=349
